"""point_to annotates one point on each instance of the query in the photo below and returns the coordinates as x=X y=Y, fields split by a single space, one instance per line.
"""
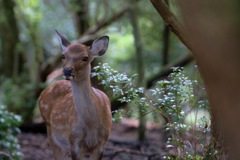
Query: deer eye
x=63 y=56
x=85 y=59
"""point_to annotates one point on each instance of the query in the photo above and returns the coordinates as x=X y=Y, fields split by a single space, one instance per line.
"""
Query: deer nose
x=67 y=71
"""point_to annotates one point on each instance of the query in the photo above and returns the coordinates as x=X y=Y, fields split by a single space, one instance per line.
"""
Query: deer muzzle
x=67 y=73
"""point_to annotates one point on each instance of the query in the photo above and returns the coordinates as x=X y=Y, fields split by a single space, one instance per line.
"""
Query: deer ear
x=99 y=46
x=63 y=41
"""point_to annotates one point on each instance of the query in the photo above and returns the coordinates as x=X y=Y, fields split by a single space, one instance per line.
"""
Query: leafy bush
x=174 y=99
x=177 y=98
x=119 y=85
x=9 y=146
x=18 y=96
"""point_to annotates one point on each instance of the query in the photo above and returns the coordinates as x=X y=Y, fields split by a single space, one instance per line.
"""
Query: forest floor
x=123 y=144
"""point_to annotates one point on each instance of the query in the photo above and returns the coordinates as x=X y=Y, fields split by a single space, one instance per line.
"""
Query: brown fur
x=78 y=117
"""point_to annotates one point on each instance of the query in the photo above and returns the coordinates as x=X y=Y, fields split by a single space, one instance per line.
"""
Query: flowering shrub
x=174 y=98
x=177 y=98
x=9 y=146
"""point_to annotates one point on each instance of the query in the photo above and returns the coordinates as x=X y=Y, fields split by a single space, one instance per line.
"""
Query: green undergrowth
x=179 y=100
x=9 y=146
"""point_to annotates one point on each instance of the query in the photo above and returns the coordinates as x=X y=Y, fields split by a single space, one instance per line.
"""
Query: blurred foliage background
x=140 y=43
x=141 y=46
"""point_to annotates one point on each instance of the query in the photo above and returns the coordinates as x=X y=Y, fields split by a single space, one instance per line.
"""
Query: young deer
x=78 y=116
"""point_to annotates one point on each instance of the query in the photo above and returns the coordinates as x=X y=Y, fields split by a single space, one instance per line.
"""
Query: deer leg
x=97 y=154
x=76 y=152
x=58 y=153
x=74 y=155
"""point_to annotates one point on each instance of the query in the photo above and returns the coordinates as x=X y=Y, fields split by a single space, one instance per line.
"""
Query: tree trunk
x=140 y=64
x=165 y=39
x=213 y=29
x=165 y=51
x=11 y=62
x=212 y=34
x=81 y=15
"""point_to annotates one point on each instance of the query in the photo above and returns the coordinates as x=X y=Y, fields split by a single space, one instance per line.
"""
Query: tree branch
x=168 y=69
x=171 y=21
x=107 y=22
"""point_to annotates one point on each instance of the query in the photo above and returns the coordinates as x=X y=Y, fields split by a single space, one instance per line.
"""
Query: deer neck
x=84 y=99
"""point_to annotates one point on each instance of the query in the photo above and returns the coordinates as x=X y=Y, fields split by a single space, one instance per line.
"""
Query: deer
x=77 y=116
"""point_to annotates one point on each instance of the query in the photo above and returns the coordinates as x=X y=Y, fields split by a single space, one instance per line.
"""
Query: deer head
x=77 y=57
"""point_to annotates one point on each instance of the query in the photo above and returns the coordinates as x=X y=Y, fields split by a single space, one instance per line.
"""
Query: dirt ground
x=122 y=144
